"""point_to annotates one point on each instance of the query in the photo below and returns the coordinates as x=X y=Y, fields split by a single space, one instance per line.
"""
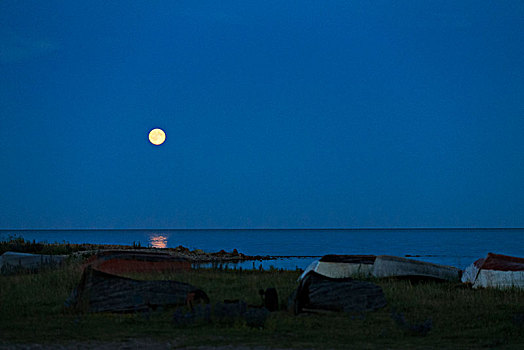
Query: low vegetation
x=422 y=315
x=18 y=244
x=15 y=243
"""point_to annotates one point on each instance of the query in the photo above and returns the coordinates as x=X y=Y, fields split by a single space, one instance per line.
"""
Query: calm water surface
x=456 y=247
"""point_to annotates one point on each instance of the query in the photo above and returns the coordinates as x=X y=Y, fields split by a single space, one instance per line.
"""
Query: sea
x=297 y=248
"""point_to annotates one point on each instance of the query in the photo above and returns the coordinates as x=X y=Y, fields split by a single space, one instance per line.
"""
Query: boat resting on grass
x=495 y=271
x=126 y=261
x=383 y=266
x=394 y=266
x=342 y=266
x=99 y=291
x=321 y=294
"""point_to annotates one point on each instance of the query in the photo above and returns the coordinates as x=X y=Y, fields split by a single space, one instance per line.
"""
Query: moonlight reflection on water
x=158 y=241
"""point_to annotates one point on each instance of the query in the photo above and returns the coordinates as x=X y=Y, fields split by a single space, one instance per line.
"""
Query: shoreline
x=20 y=245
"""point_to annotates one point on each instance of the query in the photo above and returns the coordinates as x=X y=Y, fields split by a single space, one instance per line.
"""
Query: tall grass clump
x=19 y=244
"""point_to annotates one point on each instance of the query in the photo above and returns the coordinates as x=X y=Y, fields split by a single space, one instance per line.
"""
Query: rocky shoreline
x=194 y=256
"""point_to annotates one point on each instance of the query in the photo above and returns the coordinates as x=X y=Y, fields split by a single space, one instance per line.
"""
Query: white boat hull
x=495 y=271
x=342 y=266
x=394 y=266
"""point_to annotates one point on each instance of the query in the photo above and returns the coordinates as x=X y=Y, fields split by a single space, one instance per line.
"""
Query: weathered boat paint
x=495 y=271
x=394 y=266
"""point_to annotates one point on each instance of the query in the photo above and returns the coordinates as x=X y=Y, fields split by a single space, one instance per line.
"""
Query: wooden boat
x=320 y=294
x=496 y=271
x=394 y=266
x=99 y=291
x=342 y=266
x=130 y=261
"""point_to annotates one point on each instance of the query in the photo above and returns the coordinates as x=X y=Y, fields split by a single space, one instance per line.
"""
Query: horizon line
x=263 y=229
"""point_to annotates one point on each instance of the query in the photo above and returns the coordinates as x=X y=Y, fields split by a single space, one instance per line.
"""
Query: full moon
x=157 y=136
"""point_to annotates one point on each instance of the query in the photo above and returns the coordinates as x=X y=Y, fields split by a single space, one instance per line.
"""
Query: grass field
x=32 y=311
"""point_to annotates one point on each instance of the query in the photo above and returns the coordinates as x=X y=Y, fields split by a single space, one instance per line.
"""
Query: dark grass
x=18 y=244
x=32 y=311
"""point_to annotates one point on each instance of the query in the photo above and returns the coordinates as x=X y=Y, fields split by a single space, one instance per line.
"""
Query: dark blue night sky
x=278 y=114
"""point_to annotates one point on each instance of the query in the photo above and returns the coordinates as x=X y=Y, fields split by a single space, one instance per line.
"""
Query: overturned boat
x=394 y=266
x=320 y=294
x=496 y=271
x=342 y=266
x=126 y=261
x=99 y=291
